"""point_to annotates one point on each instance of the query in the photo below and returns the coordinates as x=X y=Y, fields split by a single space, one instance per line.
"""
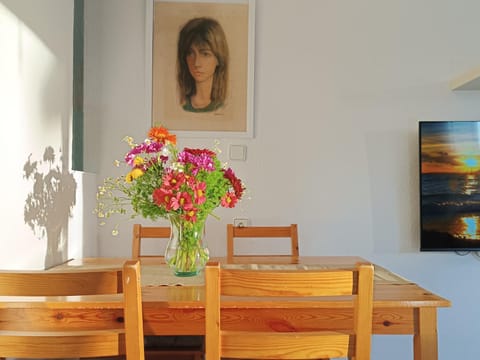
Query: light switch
x=238 y=152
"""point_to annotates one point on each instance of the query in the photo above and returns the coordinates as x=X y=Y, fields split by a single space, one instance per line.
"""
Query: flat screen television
x=449 y=185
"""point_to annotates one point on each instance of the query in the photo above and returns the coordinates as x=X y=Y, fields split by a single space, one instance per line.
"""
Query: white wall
x=38 y=190
x=339 y=89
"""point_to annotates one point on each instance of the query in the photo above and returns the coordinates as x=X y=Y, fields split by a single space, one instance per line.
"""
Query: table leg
x=425 y=344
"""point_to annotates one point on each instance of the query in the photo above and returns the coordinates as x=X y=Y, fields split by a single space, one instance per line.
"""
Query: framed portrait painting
x=200 y=62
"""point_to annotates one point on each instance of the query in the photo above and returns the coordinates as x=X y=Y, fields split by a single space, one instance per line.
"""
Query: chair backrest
x=189 y=347
x=234 y=232
x=91 y=313
x=132 y=311
x=280 y=339
x=147 y=232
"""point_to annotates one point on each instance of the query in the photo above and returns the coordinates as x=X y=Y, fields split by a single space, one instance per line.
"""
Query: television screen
x=449 y=185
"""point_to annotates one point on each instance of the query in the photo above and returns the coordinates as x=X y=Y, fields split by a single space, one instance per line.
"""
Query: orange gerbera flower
x=162 y=135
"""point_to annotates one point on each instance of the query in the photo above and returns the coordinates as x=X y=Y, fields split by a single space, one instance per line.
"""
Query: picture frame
x=173 y=90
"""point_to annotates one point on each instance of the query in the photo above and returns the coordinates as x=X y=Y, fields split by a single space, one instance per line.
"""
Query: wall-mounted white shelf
x=468 y=81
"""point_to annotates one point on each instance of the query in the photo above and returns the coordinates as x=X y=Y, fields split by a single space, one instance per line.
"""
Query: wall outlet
x=240 y=222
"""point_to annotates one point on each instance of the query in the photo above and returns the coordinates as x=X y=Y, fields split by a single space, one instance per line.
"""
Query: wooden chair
x=147 y=232
x=164 y=347
x=234 y=232
x=283 y=337
x=64 y=330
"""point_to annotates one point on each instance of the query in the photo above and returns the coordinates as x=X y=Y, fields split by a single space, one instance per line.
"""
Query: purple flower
x=200 y=160
x=147 y=148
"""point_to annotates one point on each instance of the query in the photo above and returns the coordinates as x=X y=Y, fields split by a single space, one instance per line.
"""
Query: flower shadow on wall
x=49 y=205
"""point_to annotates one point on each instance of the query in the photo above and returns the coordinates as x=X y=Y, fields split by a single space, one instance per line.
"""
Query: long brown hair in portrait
x=203 y=31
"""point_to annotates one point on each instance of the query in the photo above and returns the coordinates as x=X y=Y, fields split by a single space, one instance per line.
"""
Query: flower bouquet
x=181 y=186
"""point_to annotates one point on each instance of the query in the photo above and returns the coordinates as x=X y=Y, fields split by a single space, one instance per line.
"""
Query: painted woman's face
x=201 y=62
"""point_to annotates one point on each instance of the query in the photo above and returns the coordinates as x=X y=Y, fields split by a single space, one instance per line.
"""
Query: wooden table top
x=390 y=290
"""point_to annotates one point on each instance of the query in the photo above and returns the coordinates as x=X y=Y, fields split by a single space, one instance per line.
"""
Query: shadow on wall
x=49 y=205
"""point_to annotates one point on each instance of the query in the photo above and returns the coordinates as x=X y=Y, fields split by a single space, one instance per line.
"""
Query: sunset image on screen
x=450 y=185
x=451 y=148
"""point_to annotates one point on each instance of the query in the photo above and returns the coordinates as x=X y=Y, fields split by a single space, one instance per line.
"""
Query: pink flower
x=182 y=200
x=147 y=148
x=200 y=159
x=199 y=193
x=229 y=200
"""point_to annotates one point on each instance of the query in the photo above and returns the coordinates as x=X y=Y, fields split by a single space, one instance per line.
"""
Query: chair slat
x=72 y=283
x=287 y=283
x=259 y=232
x=147 y=232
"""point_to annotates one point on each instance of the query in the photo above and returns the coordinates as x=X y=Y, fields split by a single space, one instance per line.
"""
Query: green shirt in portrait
x=209 y=108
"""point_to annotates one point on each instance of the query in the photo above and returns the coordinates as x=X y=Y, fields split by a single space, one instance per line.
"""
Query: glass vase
x=187 y=252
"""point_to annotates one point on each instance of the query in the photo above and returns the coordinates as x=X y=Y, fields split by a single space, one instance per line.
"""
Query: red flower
x=236 y=183
x=162 y=197
x=198 y=152
x=191 y=214
x=173 y=180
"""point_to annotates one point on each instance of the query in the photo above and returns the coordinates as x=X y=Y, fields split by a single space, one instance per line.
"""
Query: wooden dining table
x=175 y=306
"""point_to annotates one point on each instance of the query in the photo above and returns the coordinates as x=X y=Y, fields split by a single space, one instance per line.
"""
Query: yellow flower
x=138 y=160
x=134 y=174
